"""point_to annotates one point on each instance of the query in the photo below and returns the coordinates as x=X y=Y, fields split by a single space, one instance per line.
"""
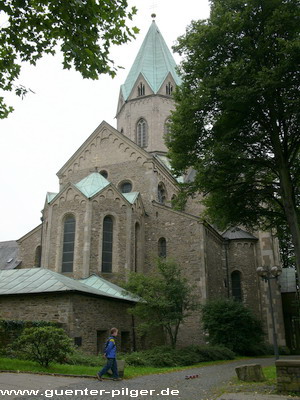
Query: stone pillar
x=87 y=240
x=288 y=375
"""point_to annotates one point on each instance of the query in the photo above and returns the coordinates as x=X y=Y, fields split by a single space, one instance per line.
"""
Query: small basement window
x=78 y=341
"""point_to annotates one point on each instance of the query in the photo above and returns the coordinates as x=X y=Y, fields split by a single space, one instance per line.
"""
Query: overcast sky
x=47 y=127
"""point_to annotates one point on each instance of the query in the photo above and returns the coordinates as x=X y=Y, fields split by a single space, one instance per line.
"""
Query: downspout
x=40 y=260
x=133 y=333
x=226 y=245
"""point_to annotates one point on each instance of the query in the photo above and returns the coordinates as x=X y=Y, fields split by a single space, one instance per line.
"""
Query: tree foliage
x=238 y=113
x=231 y=324
x=44 y=345
x=167 y=298
x=83 y=29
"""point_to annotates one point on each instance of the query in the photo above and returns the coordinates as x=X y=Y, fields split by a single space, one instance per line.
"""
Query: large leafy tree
x=84 y=30
x=167 y=299
x=238 y=113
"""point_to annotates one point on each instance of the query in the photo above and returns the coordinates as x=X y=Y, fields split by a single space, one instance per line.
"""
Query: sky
x=49 y=125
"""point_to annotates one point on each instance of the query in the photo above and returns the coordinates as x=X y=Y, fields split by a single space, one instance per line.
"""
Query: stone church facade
x=113 y=212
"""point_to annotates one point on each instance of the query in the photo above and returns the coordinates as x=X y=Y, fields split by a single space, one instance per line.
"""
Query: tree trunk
x=292 y=220
x=290 y=209
x=286 y=188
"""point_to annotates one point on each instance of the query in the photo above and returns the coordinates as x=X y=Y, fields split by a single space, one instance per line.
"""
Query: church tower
x=145 y=99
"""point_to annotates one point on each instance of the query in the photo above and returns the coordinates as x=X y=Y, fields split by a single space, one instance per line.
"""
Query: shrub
x=169 y=357
x=229 y=323
x=79 y=358
x=44 y=345
x=136 y=359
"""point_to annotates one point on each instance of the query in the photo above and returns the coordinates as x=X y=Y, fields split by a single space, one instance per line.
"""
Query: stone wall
x=70 y=310
x=37 y=307
x=183 y=234
x=94 y=326
x=288 y=375
x=155 y=109
x=29 y=248
x=242 y=258
x=216 y=271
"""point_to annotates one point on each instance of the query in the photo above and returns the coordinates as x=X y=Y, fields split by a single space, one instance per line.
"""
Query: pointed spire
x=154 y=61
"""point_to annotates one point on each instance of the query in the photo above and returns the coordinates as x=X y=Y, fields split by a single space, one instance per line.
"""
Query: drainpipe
x=227 y=266
x=40 y=260
x=133 y=333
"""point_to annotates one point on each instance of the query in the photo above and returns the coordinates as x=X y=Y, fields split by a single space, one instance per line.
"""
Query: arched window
x=107 y=244
x=167 y=127
x=169 y=89
x=137 y=246
x=37 y=258
x=141 y=134
x=104 y=173
x=68 y=244
x=141 y=89
x=161 y=193
x=126 y=187
x=162 y=247
x=236 y=287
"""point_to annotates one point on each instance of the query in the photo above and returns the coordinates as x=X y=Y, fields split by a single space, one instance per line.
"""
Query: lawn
x=268 y=386
x=9 y=364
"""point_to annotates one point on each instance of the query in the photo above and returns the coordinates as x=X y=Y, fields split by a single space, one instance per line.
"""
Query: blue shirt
x=111 y=348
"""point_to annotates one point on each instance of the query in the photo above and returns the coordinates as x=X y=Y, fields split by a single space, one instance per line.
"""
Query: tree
x=44 y=344
x=229 y=323
x=83 y=29
x=238 y=111
x=167 y=298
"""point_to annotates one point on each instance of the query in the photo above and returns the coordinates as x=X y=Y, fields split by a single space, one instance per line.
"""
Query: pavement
x=171 y=386
x=254 y=396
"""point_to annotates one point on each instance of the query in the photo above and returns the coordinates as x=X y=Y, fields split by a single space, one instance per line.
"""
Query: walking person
x=110 y=353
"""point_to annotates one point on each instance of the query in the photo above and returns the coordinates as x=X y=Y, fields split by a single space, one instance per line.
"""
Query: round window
x=126 y=187
x=104 y=173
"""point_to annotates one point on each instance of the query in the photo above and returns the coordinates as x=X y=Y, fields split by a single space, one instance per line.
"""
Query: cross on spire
x=153 y=8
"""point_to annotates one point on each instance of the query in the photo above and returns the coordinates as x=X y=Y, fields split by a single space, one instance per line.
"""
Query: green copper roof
x=98 y=283
x=154 y=61
x=42 y=280
x=164 y=160
x=92 y=184
x=131 y=197
x=50 y=196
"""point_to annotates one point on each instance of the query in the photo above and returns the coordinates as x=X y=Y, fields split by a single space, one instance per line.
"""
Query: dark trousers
x=111 y=364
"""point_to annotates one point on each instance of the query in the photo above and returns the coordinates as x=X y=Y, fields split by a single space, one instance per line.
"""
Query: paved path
x=171 y=386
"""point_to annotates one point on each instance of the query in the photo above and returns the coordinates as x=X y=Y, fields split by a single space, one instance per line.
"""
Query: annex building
x=113 y=215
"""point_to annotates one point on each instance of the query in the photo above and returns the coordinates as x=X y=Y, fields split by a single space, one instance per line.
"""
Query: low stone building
x=85 y=308
x=113 y=214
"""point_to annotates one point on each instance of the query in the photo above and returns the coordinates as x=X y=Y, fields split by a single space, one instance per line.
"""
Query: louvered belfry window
x=142 y=133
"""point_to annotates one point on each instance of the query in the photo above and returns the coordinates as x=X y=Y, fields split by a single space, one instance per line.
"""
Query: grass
x=266 y=387
x=234 y=386
x=9 y=364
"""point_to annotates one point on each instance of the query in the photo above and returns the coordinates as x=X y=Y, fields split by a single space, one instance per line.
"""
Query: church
x=114 y=214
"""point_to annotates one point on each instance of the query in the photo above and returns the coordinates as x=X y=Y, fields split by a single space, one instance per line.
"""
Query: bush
x=136 y=359
x=229 y=323
x=44 y=345
x=79 y=358
x=10 y=330
x=168 y=357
